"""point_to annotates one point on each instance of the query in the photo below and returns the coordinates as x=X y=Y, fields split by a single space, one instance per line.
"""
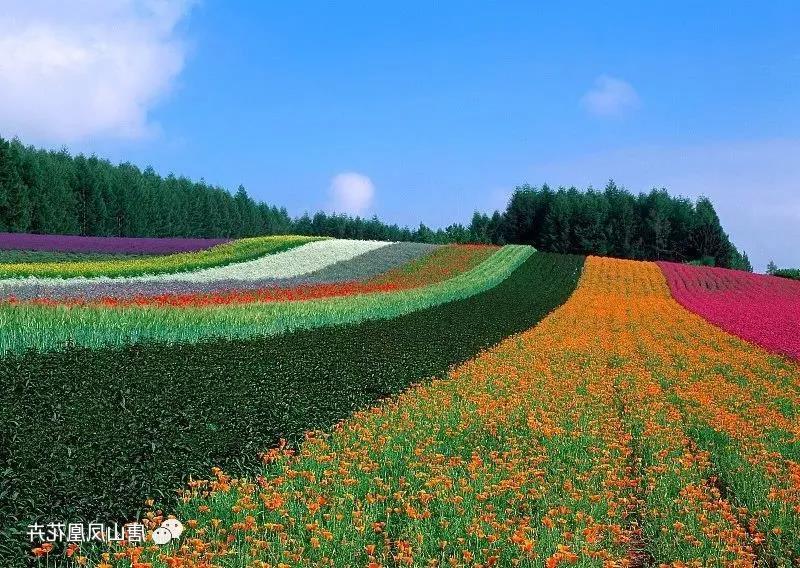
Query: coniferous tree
x=21 y=198
x=589 y=227
x=657 y=225
x=740 y=261
x=621 y=226
x=707 y=237
x=15 y=199
x=557 y=230
x=772 y=268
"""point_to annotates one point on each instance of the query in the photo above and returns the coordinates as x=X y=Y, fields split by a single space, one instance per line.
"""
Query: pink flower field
x=761 y=309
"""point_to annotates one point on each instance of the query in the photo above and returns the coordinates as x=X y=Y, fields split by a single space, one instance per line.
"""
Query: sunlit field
x=327 y=402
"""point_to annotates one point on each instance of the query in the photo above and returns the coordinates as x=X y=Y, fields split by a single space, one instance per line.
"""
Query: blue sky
x=424 y=111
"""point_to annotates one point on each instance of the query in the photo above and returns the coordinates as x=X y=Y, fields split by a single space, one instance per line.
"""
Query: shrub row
x=793 y=273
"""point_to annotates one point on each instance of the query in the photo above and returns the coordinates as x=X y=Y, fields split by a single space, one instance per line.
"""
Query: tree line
x=773 y=270
x=614 y=222
x=53 y=192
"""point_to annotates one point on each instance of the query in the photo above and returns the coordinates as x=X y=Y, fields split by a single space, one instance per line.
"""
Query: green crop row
x=227 y=253
x=53 y=327
x=89 y=434
x=39 y=256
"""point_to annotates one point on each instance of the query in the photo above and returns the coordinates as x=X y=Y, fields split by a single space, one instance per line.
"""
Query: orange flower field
x=478 y=285
x=622 y=430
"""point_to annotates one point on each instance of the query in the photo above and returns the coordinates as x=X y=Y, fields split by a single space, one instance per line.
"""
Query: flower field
x=761 y=309
x=114 y=245
x=224 y=263
x=122 y=437
x=46 y=327
x=234 y=252
x=361 y=267
x=339 y=279
x=389 y=404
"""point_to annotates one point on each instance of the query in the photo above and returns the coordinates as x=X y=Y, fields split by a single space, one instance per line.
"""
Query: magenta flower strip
x=764 y=310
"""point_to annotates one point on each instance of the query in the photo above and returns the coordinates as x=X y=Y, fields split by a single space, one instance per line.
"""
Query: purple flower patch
x=124 y=245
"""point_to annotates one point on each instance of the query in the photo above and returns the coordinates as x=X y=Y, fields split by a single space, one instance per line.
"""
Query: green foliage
x=89 y=434
x=740 y=261
x=705 y=261
x=15 y=196
x=772 y=268
x=793 y=273
x=51 y=192
x=614 y=222
x=24 y=256
x=43 y=328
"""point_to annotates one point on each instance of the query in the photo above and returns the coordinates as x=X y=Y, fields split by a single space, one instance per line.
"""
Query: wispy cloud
x=610 y=97
x=755 y=186
x=351 y=192
x=70 y=71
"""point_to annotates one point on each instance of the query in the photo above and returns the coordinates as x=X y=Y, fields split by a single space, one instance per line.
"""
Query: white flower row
x=294 y=262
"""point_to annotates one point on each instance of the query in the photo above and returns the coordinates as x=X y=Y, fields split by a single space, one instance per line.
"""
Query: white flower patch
x=288 y=264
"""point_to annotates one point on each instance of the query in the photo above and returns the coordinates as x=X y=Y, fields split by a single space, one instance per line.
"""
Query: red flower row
x=443 y=263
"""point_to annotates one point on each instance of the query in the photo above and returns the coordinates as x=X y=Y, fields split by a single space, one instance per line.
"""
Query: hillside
x=540 y=406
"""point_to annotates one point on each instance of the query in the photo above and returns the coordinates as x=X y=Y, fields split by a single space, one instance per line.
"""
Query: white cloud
x=352 y=193
x=72 y=70
x=753 y=185
x=610 y=97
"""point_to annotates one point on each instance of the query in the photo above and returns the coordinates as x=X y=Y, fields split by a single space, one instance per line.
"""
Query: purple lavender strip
x=124 y=245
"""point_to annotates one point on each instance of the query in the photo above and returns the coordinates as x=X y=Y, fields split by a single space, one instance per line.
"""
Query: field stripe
x=27 y=256
x=762 y=309
x=114 y=245
x=142 y=418
x=46 y=327
x=241 y=250
x=351 y=268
